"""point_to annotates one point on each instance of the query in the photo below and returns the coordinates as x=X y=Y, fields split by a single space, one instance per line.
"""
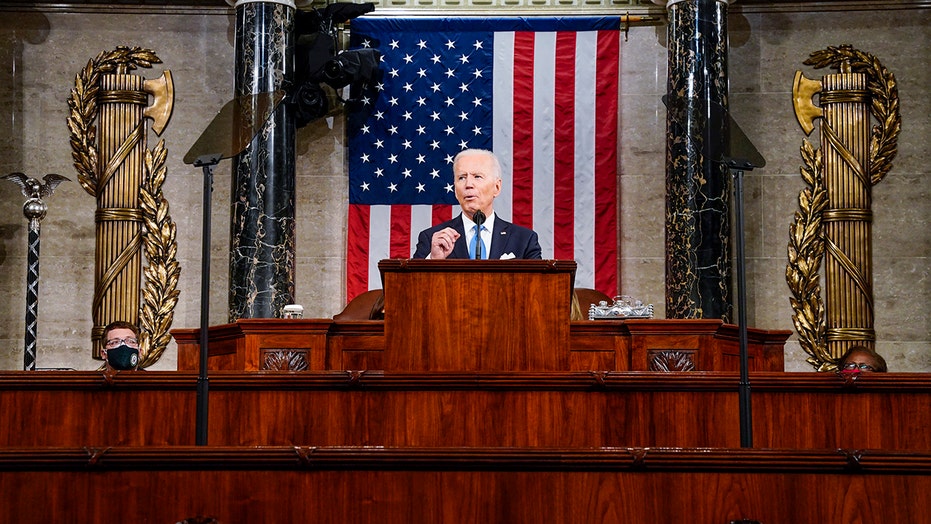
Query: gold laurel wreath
x=160 y=294
x=806 y=240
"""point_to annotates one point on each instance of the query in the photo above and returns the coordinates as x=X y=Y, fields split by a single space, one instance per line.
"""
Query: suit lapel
x=499 y=239
x=460 y=250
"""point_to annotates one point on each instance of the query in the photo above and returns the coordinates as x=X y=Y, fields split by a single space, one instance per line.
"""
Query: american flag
x=541 y=92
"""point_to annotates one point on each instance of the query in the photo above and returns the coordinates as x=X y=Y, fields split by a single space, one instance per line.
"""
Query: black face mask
x=123 y=357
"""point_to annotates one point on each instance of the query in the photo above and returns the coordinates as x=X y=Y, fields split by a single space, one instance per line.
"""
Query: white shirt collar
x=489 y=223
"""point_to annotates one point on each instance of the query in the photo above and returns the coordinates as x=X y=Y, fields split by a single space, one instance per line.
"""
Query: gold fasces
x=233 y=127
x=803 y=92
x=162 y=90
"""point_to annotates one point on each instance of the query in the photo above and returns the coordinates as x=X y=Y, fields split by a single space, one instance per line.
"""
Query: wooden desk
x=600 y=345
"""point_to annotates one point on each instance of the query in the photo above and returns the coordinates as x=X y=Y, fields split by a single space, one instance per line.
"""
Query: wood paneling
x=385 y=486
x=618 y=409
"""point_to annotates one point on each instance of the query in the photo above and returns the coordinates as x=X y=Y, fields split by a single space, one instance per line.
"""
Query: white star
x=406 y=144
x=365 y=101
x=393 y=159
x=477 y=130
x=421 y=188
x=449 y=101
x=394 y=44
x=477 y=44
x=379 y=172
x=393 y=101
x=477 y=73
x=365 y=130
x=408 y=58
x=393 y=72
x=422 y=72
x=435 y=145
x=407 y=115
x=365 y=186
x=435 y=116
x=463 y=116
x=449 y=188
x=435 y=87
x=477 y=102
x=364 y=158
x=421 y=159
x=435 y=173
x=463 y=144
x=463 y=87
x=450 y=73
x=449 y=130
x=450 y=44
x=407 y=173
x=464 y=59
x=393 y=130
x=380 y=86
x=408 y=87
x=379 y=115
x=436 y=59
x=393 y=187
x=421 y=101
x=421 y=130
x=449 y=159
x=366 y=43
x=379 y=144
x=422 y=44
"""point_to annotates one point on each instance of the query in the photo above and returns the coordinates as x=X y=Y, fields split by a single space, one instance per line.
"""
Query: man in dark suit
x=477 y=181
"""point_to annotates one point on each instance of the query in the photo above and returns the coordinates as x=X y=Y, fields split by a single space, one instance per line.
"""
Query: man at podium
x=477 y=233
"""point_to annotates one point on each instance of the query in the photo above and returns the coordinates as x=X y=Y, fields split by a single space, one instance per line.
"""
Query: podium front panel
x=477 y=315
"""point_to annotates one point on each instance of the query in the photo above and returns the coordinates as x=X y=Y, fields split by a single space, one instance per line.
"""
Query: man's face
x=476 y=184
x=117 y=336
x=860 y=361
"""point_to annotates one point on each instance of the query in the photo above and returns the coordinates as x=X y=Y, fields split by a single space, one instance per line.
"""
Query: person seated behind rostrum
x=121 y=346
x=859 y=359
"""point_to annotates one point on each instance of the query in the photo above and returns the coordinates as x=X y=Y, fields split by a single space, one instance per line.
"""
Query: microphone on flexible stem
x=479 y=219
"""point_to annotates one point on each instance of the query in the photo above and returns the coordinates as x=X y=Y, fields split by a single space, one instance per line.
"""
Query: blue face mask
x=123 y=357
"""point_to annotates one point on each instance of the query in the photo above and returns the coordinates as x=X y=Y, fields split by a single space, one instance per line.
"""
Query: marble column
x=262 y=218
x=698 y=258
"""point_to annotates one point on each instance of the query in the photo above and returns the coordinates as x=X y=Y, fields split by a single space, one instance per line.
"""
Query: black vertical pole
x=32 y=298
x=203 y=385
x=746 y=420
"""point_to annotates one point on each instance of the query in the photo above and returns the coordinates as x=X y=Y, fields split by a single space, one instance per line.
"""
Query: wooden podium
x=477 y=315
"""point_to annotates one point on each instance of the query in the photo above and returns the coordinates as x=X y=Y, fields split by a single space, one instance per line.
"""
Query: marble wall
x=41 y=53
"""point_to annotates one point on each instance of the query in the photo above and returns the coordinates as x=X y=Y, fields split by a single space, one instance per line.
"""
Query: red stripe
x=564 y=148
x=522 y=188
x=400 y=231
x=357 y=251
x=441 y=213
x=607 y=264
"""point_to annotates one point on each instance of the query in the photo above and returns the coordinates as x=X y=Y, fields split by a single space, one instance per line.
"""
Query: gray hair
x=495 y=164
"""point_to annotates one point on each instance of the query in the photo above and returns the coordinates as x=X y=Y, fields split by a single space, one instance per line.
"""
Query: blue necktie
x=477 y=244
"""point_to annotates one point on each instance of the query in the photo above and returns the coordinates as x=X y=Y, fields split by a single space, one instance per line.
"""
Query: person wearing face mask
x=477 y=181
x=121 y=346
x=861 y=359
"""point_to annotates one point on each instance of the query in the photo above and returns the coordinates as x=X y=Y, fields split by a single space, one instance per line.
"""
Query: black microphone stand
x=742 y=156
x=231 y=130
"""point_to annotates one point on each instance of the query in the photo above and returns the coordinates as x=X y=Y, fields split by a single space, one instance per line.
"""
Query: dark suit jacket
x=506 y=238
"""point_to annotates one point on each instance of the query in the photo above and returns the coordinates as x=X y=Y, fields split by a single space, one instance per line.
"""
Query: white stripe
x=421 y=218
x=586 y=48
x=503 y=119
x=544 y=182
x=379 y=241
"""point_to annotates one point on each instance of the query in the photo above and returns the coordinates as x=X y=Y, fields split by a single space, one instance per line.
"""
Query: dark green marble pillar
x=262 y=230
x=698 y=259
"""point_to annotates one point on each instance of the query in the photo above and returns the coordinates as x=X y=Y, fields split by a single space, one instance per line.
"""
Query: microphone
x=479 y=219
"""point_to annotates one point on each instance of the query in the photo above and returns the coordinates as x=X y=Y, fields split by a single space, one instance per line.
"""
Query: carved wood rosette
x=834 y=222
